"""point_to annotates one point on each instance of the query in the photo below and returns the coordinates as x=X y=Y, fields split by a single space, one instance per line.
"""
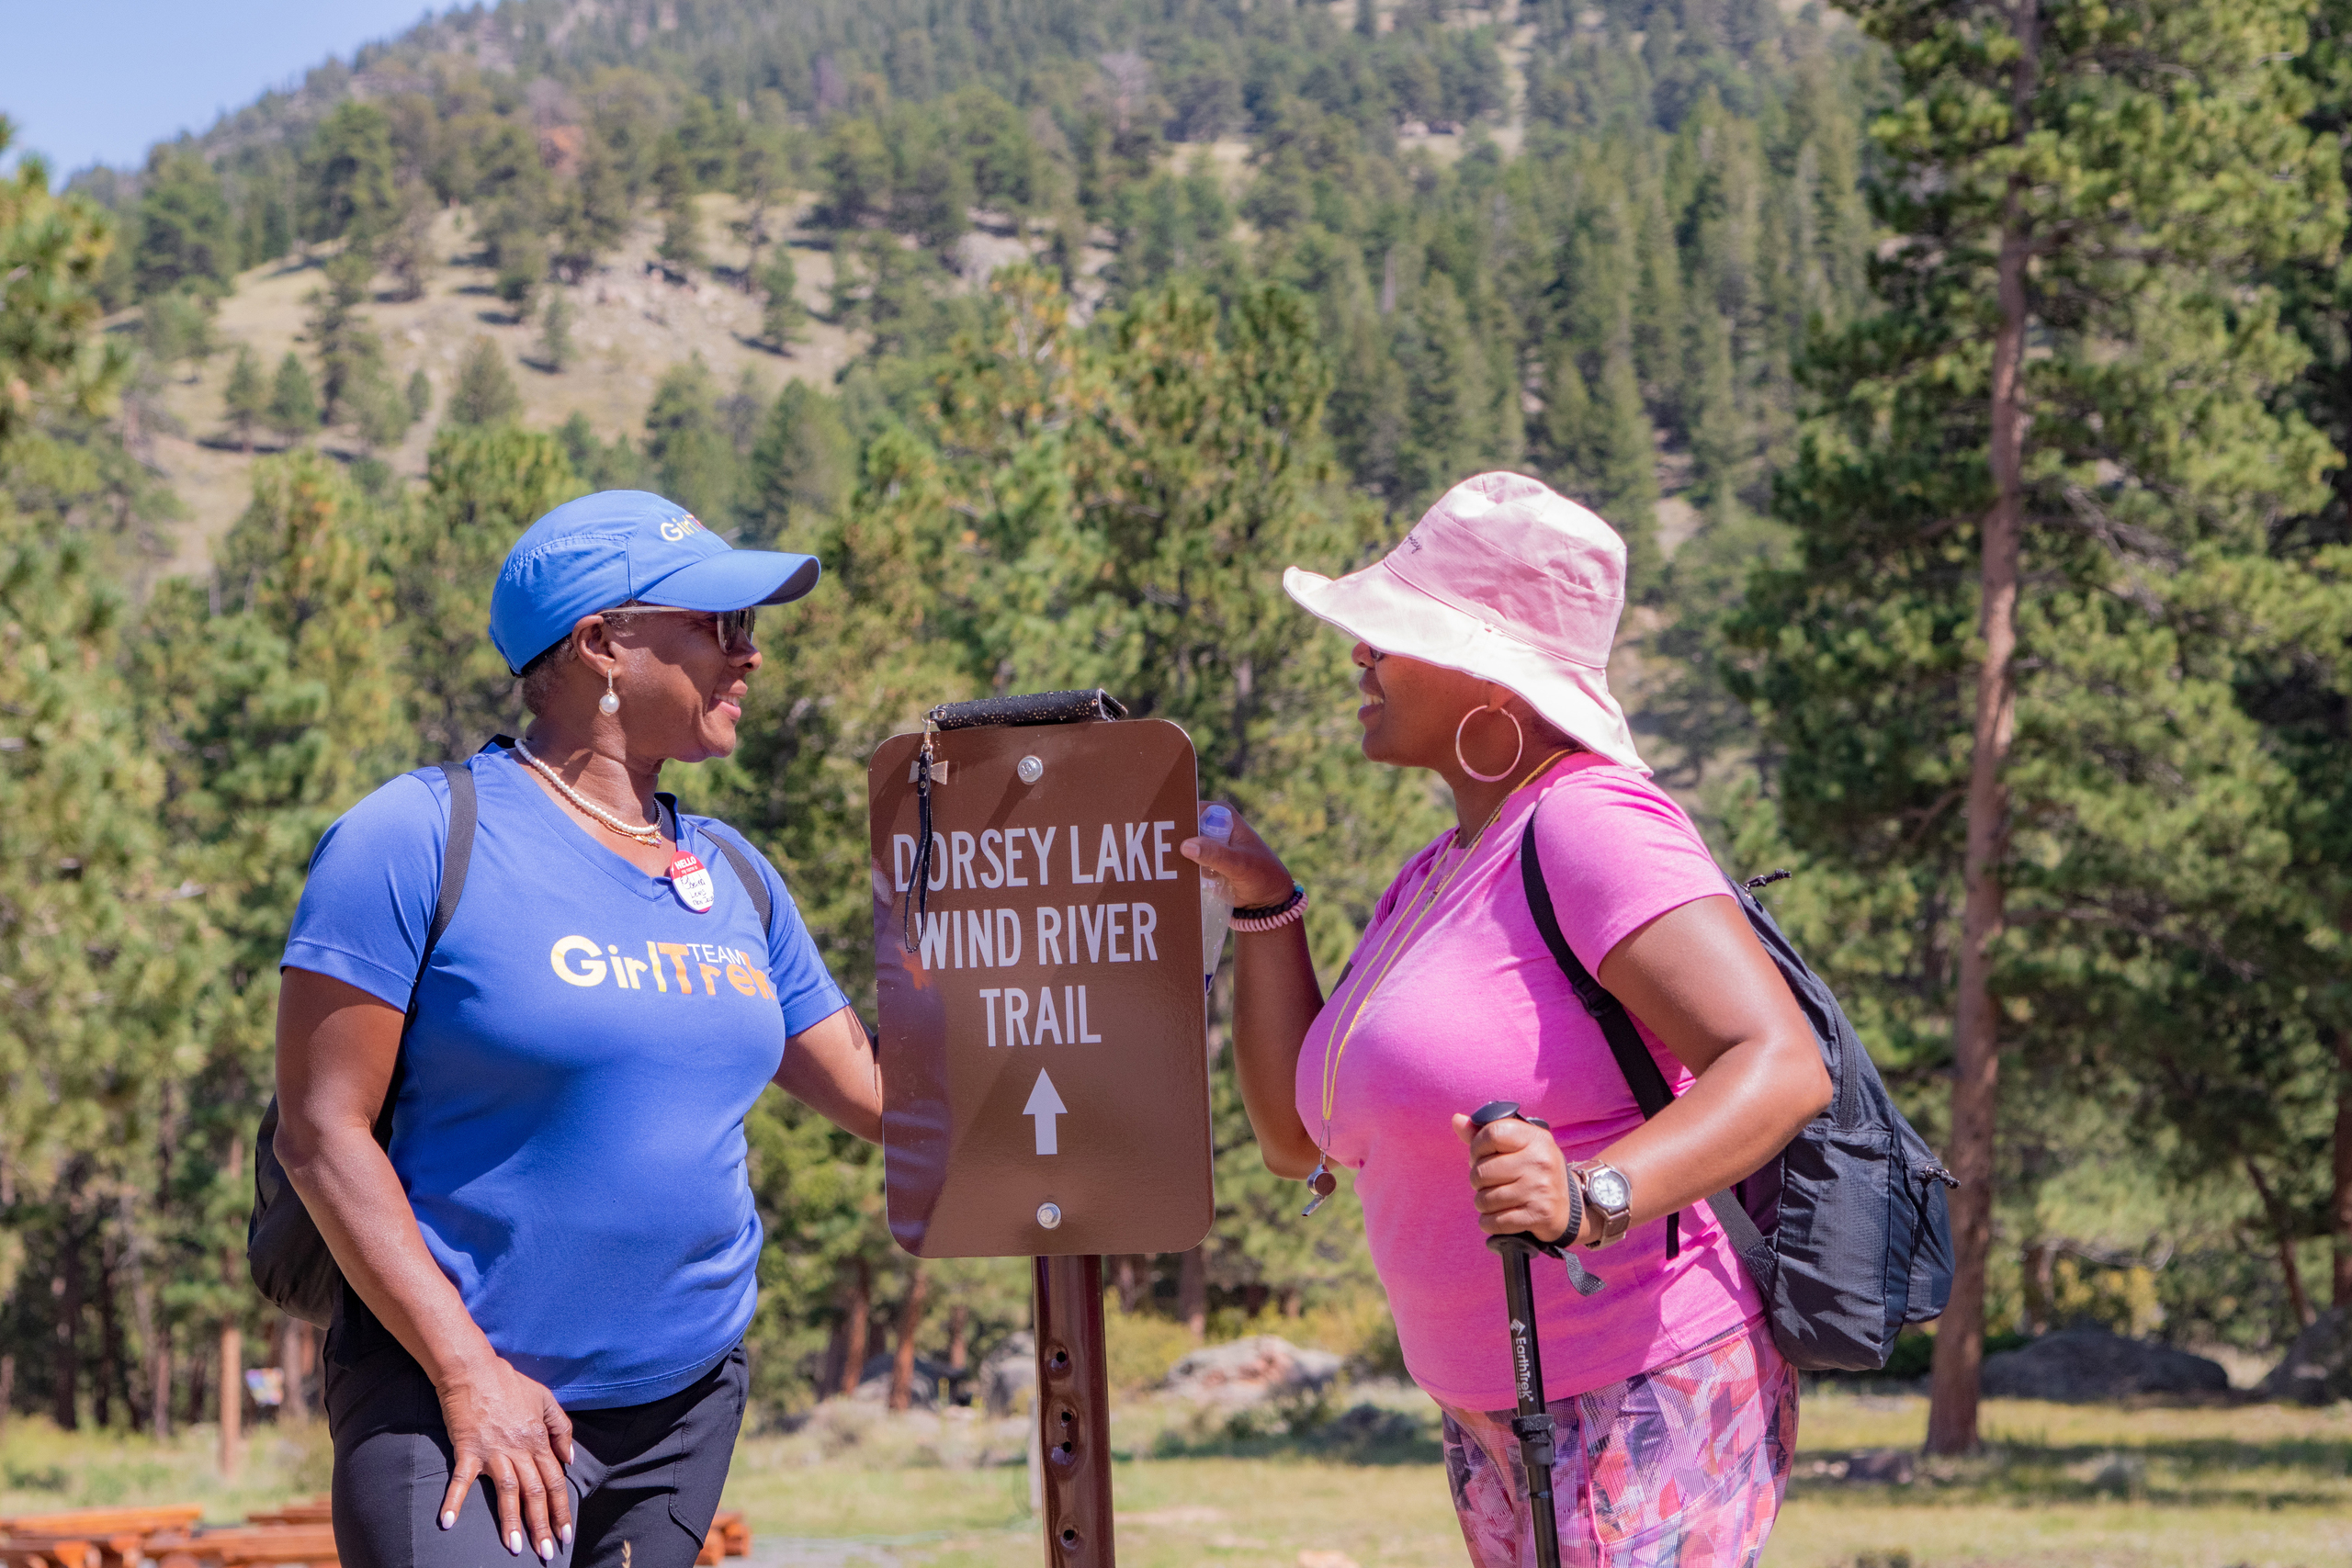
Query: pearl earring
x=610 y=703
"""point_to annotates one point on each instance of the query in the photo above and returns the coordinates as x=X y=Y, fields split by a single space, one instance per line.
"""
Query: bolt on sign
x=1045 y=1092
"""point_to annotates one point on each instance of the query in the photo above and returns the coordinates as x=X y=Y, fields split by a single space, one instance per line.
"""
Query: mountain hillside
x=632 y=320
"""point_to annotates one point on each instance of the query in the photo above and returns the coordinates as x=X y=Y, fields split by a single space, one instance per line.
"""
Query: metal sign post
x=1045 y=1089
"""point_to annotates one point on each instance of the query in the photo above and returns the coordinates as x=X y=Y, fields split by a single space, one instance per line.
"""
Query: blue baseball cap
x=622 y=546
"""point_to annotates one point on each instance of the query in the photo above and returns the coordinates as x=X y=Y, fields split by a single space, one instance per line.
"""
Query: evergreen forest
x=1971 y=384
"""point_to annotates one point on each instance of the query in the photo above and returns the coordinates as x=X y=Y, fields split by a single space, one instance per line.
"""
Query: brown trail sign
x=1045 y=1076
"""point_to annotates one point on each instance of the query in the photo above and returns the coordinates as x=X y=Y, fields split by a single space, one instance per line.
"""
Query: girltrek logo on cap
x=678 y=527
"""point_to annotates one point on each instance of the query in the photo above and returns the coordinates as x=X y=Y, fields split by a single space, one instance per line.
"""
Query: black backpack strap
x=1633 y=1059
x=749 y=874
x=457 y=853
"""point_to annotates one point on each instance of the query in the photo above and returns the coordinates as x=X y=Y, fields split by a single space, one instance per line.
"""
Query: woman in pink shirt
x=1484 y=639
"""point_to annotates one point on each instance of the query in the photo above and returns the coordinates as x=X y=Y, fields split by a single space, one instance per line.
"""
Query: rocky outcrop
x=1246 y=1371
x=2083 y=1366
x=2318 y=1368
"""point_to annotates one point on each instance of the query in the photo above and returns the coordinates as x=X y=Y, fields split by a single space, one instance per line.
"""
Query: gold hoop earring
x=1515 y=756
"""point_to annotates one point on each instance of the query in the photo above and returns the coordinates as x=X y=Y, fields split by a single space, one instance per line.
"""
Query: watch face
x=1608 y=1189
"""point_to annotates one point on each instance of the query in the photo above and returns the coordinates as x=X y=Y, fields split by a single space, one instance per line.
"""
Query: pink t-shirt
x=1475 y=1009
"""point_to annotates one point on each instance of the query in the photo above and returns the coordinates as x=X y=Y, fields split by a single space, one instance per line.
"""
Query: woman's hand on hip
x=1253 y=874
x=503 y=1426
x=1517 y=1177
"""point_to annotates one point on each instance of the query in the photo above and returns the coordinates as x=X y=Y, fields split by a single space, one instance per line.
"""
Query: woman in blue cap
x=549 y=1269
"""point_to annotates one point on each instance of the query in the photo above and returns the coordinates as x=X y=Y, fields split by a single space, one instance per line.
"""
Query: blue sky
x=98 y=81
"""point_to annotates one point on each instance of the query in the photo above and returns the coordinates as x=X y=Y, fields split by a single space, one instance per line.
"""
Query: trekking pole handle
x=1525 y=1242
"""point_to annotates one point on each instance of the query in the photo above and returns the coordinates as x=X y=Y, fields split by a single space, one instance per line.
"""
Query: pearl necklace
x=648 y=834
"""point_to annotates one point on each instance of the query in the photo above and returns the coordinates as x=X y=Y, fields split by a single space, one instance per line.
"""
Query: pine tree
x=186 y=236
x=419 y=393
x=801 y=467
x=694 y=460
x=555 y=332
x=2000 y=520
x=350 y=352
x=485 y=393
x=347 y=175
x=483 y=485
x=280 y=691
x=783 y=319
x=681 y=244
x=293 y=400
x=247 y=397
x=99 y=956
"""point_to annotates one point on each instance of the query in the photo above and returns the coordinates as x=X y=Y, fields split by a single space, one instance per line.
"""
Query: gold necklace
x=1392 y=948
x=648 y=834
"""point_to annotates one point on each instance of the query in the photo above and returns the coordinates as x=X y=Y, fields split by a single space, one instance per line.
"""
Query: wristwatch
x=1609 y=1195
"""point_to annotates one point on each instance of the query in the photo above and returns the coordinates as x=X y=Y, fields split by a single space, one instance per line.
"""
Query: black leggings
x=645 y=1479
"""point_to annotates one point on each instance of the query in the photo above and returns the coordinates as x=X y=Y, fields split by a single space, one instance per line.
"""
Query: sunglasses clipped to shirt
x=733 y=627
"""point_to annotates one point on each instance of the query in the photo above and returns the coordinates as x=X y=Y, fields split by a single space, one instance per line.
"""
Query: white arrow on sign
x=1045 y=1105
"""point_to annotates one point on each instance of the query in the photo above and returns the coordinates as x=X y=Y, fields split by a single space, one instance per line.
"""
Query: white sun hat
x=1506 y=580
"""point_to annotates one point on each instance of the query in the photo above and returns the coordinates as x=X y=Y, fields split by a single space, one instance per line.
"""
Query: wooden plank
x=102 y=1521
x=238 y=1547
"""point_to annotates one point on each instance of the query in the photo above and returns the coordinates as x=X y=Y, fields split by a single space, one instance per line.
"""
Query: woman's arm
x=830 y=1068
x=1275 y=999
x=1706 y=988
x=336 y=1045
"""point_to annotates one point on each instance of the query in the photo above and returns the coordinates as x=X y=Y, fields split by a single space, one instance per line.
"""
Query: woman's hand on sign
x=504 y=1426
x=1253 y=874
x=1517 y=1177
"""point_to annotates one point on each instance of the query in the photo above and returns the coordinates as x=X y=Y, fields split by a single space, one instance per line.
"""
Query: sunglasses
x=733 y=628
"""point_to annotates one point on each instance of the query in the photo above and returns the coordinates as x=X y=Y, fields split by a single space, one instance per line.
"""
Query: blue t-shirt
x=570 y=1127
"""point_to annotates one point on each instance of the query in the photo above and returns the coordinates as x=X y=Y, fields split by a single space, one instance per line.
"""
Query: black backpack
x=289 y=1258
x=1844 y=1231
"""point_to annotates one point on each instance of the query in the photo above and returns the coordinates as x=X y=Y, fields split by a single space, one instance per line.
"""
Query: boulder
x=2318 y=1368
x=1010 y=1374
x=930 y=1379
x=1246 y=1371
x=2082 y=1366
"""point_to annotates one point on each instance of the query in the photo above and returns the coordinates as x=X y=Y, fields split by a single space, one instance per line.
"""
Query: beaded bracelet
x=1272 y=917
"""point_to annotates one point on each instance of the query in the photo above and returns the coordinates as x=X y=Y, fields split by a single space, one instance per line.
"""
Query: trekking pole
x=1533 y=1423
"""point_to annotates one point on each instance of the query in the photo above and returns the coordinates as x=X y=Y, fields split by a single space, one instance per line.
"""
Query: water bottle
x=1216 y=898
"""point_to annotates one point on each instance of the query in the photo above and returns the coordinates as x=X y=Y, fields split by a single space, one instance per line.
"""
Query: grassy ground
x=2095 y=1488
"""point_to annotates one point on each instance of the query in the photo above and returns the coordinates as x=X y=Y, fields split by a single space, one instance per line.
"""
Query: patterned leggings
x=1681 y=1467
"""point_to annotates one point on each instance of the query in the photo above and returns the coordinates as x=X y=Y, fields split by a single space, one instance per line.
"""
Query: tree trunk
x=157 y=1414
x=2339 y=1208
x=159 y=1398
x=195 y=1365
x=233 y=1398
x=1976 y=1042
x=2282 y=1235
x=1192 y=1293
x=903 y=1363
x=112 y=1382
x=1123 y=1274
x=7 y=1387
x=959 y=1339
x=294 y=1365
x=66 y=1289
x=855 y=1312
x=2040 y=1298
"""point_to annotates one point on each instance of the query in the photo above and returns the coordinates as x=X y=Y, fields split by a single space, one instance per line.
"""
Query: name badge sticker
x=690 y=879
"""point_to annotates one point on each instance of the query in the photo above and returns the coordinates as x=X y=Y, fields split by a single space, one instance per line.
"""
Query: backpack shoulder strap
x=457 y=853
x=1633 y=1059
x=746 y=872
x=1625 y=1042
